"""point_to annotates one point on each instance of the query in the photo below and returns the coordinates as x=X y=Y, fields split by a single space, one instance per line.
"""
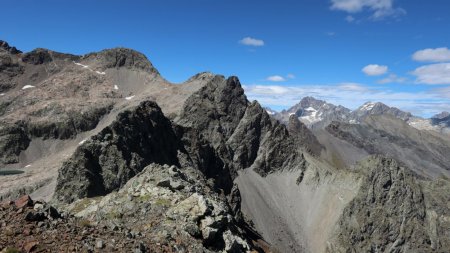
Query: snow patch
x=313 y=116
x=29 y=165
x=79 y=64
x=270 y=112
x=2 y=94
x=87 y=67
x=116 y=87
x=129 y=98
x=367 y=106
x=27 y=87
x=81 y=142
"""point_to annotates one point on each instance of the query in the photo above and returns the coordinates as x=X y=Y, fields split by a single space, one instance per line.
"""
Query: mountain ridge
x=198 y=164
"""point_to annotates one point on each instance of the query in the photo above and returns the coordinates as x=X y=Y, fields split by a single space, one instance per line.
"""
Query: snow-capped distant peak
x=367 y=106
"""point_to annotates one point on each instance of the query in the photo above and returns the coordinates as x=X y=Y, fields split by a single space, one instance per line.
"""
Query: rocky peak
x=202 y=76
x=304 y=136
x=122 y=57
x=6 y=47
x=306 y=102
x=442 y=119
x=311 y=101
x=441 y=115
x=315 y=113
x=37 y=56
x=371 y=108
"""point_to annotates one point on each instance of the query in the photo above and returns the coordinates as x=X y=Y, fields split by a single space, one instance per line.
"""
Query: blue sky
x=344 y=51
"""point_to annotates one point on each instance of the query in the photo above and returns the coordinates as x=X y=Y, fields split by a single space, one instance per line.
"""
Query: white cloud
x=276 y=78
x=352 y=95
x=438 y=73
x=375 y=70
x=441 y=54
x=352 y=87
x=290 y=76
x=249 y=41
x=380 y=8
x=350 y=18
x=392 y=78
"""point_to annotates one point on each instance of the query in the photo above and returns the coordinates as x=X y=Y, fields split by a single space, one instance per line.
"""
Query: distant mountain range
x=318 y=114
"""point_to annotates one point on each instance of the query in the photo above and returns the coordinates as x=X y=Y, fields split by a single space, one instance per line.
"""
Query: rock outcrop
x=120 y=151
x=242 y=134
x=13 y=139
x=169 y=205
x=304 y=136
x=390 y=214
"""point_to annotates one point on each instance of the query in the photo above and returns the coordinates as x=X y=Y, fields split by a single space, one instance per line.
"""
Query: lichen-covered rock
x=194 y=217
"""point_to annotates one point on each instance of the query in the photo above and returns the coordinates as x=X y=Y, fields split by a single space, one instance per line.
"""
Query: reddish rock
x=23 y=201
x=30 y=246
x=27 y=231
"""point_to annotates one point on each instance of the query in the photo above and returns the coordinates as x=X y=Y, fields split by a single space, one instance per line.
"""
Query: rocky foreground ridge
x=196 y=167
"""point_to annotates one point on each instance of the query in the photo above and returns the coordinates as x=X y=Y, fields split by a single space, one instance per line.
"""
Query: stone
x=99 y=244
x=193 y=230
x=234 y=243
x=52 y=212
x=209 y=227
x=23 y=201
x=193 y=207
x=30 y=246
x=38 y=206
x=141 y=248
x=27 y=231
x=35 y=216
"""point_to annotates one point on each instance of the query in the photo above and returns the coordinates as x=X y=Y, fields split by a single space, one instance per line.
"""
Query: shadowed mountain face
x=106 y=138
